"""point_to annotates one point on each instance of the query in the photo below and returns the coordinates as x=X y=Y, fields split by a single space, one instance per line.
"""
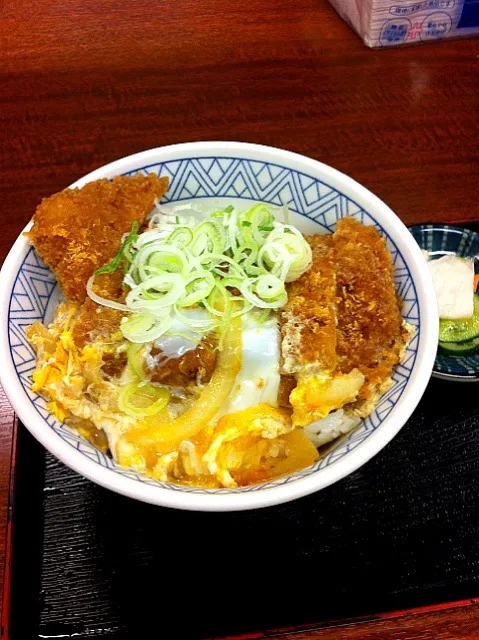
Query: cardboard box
x=385 y=23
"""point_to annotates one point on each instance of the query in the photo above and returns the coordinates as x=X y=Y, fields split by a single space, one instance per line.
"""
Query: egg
x=246 y=429
x=241 y=444
x=259 y=378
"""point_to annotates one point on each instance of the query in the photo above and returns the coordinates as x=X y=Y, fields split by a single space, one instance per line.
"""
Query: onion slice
x=104 y=302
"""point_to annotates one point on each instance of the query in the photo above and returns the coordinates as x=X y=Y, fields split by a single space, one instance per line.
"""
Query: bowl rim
x=429 y=227
x=269 y=496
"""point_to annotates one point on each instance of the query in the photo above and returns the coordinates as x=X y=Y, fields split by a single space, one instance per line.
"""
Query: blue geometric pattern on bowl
x=439 y=240
x=35 y=291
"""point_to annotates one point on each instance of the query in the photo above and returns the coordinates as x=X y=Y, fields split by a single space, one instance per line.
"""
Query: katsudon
x=212 y=347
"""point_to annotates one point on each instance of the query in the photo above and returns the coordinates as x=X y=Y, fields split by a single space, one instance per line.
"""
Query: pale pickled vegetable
x=462 y=329
x=453 y=279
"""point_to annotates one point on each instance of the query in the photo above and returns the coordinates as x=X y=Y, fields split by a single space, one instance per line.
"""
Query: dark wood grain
x=6 y=431
x=455 y=623
x=84 y=83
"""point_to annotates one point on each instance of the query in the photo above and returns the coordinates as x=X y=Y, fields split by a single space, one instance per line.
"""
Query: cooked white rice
x=331 y=427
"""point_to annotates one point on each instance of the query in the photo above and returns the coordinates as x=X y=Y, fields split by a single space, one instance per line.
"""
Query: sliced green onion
x=197 y=325
x=254 y=299
x=152 y=260
x=240 y=306
x=252 y=270
x=145 y=327
x=218 y=302
x=180 y=237
x=272 y=254
x=199 y=286
x=156 y=292
x=269 y=288
x=115 y=262
x=181 y=263
x=142 y=399
x=232 y=282
x=168 y=262
x=207 y=238
x=104 y=302
x=259 y=215
x=246 y=251
x=263 y=315
x=222 y=264
x=299 y=251
x=231 y=223
x=135 y=357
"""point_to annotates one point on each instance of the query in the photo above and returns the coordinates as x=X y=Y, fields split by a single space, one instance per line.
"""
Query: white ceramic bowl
x=318 y=196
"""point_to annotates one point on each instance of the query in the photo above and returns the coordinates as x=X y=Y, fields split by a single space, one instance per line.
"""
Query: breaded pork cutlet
x=371 y=334
x=309 y=327
x=309 y=317
x=342 y=331
x=78 y=230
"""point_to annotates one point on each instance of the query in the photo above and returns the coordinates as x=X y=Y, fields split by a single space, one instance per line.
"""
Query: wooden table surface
x=84 y=83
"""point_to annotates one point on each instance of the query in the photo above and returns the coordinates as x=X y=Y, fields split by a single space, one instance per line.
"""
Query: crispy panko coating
x=342 y=327
x=94 y=321
x=309 y=317
x=371 y=333
x=368 y=311
x=78 y=230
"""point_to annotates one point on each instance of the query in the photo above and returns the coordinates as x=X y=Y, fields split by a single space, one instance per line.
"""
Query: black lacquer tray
x=401 y=532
